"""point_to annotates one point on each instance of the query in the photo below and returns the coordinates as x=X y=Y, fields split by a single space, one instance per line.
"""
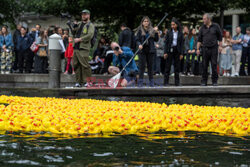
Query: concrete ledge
x=157 y=91
x=41 y=80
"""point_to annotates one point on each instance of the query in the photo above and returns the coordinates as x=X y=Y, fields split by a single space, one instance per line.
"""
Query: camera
x=69 y=23
x=117 y=48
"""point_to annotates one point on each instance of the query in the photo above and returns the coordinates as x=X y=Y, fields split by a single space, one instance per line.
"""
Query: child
x=68 y=55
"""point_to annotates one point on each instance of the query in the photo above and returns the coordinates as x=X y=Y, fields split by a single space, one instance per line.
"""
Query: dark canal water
x=158 y=149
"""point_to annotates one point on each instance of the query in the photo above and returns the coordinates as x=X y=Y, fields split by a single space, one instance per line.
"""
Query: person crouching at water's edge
x=121 y=57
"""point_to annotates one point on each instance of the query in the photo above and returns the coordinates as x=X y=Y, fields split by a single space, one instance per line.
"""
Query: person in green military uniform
x=84 y=32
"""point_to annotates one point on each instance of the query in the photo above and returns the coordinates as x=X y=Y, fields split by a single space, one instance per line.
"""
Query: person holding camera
x=173 y=51
x=82 y=45
x=121 y=57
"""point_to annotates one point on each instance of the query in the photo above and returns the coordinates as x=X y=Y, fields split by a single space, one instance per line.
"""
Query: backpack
x=94 y=38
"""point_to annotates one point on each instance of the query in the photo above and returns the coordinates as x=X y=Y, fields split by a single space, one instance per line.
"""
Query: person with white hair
x=209 y=36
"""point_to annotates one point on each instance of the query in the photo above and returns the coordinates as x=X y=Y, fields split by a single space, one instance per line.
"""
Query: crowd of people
x=27 y=51
x=183 y=51
x=175 y=51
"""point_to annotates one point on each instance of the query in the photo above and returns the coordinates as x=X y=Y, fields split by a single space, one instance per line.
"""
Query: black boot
x=177 y=79
x=203 y=83
x=151 y=83
x=166 y=81
x=177 y=84
x=140 y=83
x=215 y=83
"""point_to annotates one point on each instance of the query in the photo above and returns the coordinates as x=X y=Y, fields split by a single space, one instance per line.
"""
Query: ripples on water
x=207 y=101
x=165 y=148
x=159 y=149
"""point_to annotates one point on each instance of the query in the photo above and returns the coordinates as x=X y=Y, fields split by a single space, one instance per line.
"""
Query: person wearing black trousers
x=209 y=36
x=173 y=51
x=23 y=48
x=15 y=38
x=148 y=50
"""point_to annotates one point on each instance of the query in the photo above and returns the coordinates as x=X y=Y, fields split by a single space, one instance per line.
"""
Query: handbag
x=34 y=47
x=42 y=53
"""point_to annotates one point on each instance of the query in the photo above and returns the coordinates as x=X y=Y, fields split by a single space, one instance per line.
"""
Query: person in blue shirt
x=121 y=57
x=37 y=31
x=6 y=46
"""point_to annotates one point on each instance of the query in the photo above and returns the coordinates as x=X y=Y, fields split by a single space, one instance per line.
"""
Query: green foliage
x=8 y=11
x=113 y=13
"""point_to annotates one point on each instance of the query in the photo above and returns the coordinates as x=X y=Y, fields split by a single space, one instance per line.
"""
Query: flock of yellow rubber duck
x=88 y=116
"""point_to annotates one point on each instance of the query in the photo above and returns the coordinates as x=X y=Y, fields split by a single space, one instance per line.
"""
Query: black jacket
x=125 y=38
x=209 y=37
x=169 y=41
x=15 y=38
x=23 y=43
x=151 y=41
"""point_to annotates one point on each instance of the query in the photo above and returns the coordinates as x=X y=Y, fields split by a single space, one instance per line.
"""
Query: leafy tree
x=113 y=13
x=8 y=11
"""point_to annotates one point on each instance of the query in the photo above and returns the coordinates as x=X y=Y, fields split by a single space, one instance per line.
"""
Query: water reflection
x=208 y=101
x=169 y=148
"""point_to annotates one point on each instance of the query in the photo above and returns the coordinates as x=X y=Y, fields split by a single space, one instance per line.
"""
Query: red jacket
x=69 y=51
